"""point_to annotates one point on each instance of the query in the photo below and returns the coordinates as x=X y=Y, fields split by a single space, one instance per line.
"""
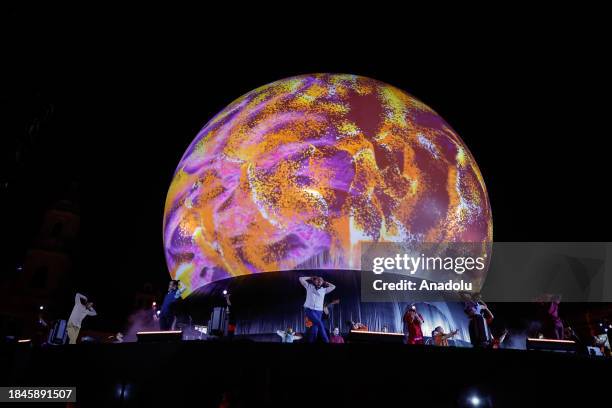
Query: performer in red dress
x=412 y=326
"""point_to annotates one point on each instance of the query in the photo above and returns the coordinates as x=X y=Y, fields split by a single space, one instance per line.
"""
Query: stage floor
x=273 y=374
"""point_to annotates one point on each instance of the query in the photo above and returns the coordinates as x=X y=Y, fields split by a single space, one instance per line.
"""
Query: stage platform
x=202 y=373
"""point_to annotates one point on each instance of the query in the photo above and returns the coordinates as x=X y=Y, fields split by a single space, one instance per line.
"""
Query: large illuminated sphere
x=296 y=173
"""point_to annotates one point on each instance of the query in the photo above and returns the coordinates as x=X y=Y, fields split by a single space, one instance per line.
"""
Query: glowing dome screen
x=296 y=173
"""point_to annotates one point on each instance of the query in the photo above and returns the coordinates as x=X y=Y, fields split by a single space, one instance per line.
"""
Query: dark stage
x=265 y=374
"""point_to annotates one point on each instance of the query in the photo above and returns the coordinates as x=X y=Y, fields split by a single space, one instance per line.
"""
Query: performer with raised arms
x=82 y=308
x=316 y=289
x=413 y=321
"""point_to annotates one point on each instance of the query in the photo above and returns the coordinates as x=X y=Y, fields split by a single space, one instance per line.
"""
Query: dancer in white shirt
x=81 y=309
x=316 y=289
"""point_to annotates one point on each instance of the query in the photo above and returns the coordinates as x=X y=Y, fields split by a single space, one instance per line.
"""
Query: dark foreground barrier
x=247 y=374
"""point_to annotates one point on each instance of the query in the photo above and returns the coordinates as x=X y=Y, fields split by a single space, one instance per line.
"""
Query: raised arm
x=179 y=292
x=503 y=336
x=450 y=335
x=330 y=287
x=78 y=299
x=91 y=312
x=486 y=312
x=304 y=281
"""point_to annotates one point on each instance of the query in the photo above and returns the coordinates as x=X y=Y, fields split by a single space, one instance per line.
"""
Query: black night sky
x=123 y=109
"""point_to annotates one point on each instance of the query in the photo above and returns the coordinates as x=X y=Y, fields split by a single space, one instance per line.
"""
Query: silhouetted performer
x=480 y=318
x=230 y=327
x=167 y=313
x=81 y=309
x=553 y=326
x=316 y=289
x=328 y=313
x=496 y=342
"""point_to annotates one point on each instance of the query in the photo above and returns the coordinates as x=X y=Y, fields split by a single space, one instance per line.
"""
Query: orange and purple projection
x=297 y=173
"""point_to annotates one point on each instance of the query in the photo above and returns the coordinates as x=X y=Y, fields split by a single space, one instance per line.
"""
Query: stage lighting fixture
x=225 y=292
x=154 y=304
x=158 y=312
x=568 y=346
x=42 y=308
x=475 y=401
x=159 y=336
x=119 y=391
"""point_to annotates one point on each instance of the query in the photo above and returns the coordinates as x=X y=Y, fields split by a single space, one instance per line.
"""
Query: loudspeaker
x=58 y=334
x=564 y=346
x=159 y=336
